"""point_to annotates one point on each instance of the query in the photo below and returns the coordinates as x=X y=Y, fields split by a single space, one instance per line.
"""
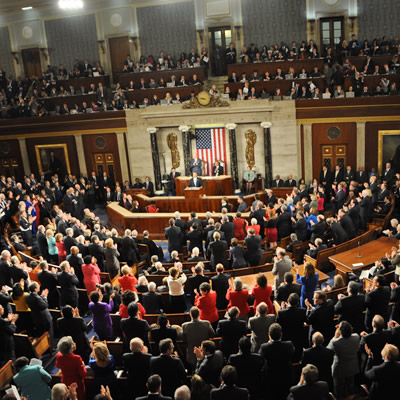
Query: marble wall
x=247 y=115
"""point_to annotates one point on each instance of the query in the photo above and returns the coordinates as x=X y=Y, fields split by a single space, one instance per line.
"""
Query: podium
x=213 y=185
x=194 y=192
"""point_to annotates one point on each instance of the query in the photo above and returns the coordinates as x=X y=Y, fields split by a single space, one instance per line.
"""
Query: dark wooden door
x=31 y=60
x=119 y=50
x=332 y=32
x=219 y=39
x=333 y=155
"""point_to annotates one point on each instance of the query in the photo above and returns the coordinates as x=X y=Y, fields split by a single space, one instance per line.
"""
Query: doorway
x=332 y=32
x=333 y=155
x=31 y=61
x=219 y=39
x=119 y=50
x=104 y=162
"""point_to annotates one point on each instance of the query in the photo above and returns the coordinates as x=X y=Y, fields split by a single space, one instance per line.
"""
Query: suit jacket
x=154 y=396
x=210 y=368
x=345 y=362
x=150 y=188
x=337 y=233
x=137 y=365
x=388 y=176
x=348 y=176
x=194 y=332
x=284 y=291
x=69 y=241
x=229 y=392
x=316 y=391
x=134 y=327
x=171 y=370
x=279 y=183
x=217 y=253
x=220 y=284
x=384 y=379
x=340 y=198
x=152 y=302
x=314 y=252
x=348 y=226
x=280 y=268
x=377 y=302
x=195 y=238
x=321 y=319
x=338 y=177
x=228 y=228
x=95 y=250
x=174 y=236
x=129 y=251
x=198 y=182
x=351 y=309
x=197 y=167
x=218 y=170
x=284 y=224
x=40 y=312
x=231 y=330
x=291 y=183
x=300 y=228
x=68 y=291
x=259 y=326
x=326 y=181
x=322 y=358
x=376 y=342
x=42 y=243
x=253 y=251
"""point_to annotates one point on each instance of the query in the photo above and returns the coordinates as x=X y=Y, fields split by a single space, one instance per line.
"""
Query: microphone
x=359 y=249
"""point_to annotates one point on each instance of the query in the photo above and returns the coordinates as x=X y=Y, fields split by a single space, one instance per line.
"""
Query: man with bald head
x=321 y=357
x=5 y=269
x=384 y=377
x=137 y=365
x=182 y=393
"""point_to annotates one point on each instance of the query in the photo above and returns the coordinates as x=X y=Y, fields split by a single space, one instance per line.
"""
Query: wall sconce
x=352 y=23
x=237 y=29
x=15 y=55
x=312 y=26
x=101 y=44
x=201 y=35
x=133 y=39
x=45 y=52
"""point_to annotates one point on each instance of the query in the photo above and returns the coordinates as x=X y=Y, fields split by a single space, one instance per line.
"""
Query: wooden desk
x=51 y=102
x=85 y=81
x=214 y=185
x=251 y=280
x=370 y=253
x=124 y=79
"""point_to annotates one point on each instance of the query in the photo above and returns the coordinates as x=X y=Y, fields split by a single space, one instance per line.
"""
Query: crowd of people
x=255 y=355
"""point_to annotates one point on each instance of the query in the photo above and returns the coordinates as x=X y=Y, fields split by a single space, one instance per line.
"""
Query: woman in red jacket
x=91 y=274
x=262 y=293
x=71 y=365
x=238 y=297
x=207 y=303
x=127 y=281
x=129 y=297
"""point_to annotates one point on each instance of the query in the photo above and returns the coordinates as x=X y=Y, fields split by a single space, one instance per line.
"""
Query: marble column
x=308 y=154
x=122 y=155
x=156 y=159
x=233 y=150
x=187 y=148
x=267 y=152
x=360 y=144
x=81 y=155
x=24 y=155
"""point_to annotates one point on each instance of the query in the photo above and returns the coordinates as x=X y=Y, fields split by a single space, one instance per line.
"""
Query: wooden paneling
x=348 y=138
x=71 y=146
x=371 y=141
x=31 y=61
x=111 y=147
x=119 y=49
x=10 y=158
x=184 y=92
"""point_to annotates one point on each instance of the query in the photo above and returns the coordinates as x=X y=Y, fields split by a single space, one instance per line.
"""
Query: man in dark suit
x=230 y=54
x=228 y=228
x=270 y=198
x=253 y=252
x=133 y=327
x=75 y=261
x=48 y=280
x=39 y=306
x=259 y=214
x=287 y=288
x=129 y=251
x=216 y=251
x=197 y=279
x=95 y=250
x=68 y=282
x=174 y=236
x=69 y=240
x=137 y=365
x=335 y=232
x=195 y=237
x=228 y=389
x=292 y=319
x=231 y=330
x=209 y=362
x=354 y=213
x=181 y=224
x=218 y=169
x=248 y=366
x=340 y=196
x=346 y=223
x=195 y=166
x=151 y=300
x=309 y=387
x=320 y=316
x=382 y=210
x=350 y=308
x=338 y=175
x=325 y=178
x=154 y=389
x=361 y=176
x=195 y=181
x=290 y=182
x=154 y=250
x=299 y=226
x=277 y=355
x=277 y=182
x=42 y=241
x=172 y=183
x=388 y=174
x=293 y=241
x=220 y=284
x=284 y=223
x=384 y=377
x=148 y=185
x=169 y=367
x=321 y=357
x=316 y=248
x=317 y=230
x=377 y=301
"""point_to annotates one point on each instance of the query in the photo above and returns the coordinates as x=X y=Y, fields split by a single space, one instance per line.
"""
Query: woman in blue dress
x=308 y=282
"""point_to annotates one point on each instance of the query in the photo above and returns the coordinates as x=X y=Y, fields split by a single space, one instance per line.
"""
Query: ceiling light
x=70 y=4
x=26 y=8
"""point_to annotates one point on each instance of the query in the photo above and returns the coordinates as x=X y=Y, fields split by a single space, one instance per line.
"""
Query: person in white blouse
x=176 y=282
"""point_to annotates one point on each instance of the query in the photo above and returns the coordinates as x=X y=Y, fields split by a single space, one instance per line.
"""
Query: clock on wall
x=204 y=98
x=334 y=133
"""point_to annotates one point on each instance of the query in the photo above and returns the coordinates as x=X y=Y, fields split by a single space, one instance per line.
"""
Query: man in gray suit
x=345 y=366
x=194 y=332
x=195 y=166
x=282 y=264
x=259 y=326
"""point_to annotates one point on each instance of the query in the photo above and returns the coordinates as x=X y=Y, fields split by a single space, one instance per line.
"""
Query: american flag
x=211 y=146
